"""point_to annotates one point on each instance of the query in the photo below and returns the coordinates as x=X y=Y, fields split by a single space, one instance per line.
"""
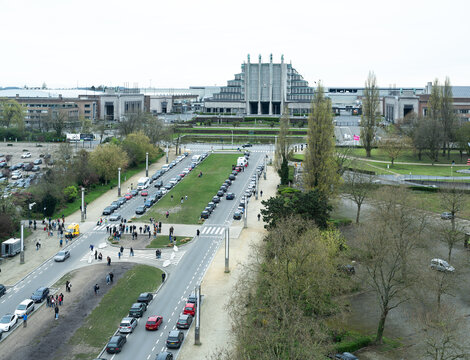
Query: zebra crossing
x=100 y=227
x=213 y=230
x=173 y=257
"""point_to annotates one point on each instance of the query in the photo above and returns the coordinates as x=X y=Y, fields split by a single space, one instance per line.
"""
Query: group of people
x=52 y=301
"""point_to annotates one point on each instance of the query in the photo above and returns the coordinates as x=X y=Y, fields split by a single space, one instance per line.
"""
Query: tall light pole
x=245 y=213
x=256 y=187
x=147 y=164
x=166 y=150
x=232 y=138
x=119 y=182
x=227 y=245
x=197 y=330
x=22 y=246
x=265 y=157
x=83 y=204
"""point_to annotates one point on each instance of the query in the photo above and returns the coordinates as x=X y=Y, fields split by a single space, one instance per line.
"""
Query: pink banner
x=356 y=138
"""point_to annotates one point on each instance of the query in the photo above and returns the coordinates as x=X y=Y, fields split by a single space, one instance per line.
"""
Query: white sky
x=178 y=43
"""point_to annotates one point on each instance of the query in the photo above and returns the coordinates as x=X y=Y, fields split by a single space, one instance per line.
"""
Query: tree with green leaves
x=321 y=168
x=447 y=116
x=59 y=121
x=136 y=145
x=393 y=144
x=106 y=159
x=370 y=113
x=463 y=139
x=432 y=127
x=12 y=114
x=282 y=146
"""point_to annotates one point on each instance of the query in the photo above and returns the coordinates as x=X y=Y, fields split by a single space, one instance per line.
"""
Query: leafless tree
x=357 y=187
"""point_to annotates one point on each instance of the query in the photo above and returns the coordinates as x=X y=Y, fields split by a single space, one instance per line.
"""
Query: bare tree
x=370 y=113
x=357 y=187
x=447 y=116
x=450 y=236
x=393 y=145
x=453 y=201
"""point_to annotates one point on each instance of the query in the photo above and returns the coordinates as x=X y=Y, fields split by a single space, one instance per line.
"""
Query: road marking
x=153 y=349
x=165 y=327
x=161 y=334
x=173 y=313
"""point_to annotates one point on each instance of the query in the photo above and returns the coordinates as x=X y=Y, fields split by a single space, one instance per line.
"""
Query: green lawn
x=163 y=240
x=409 y=156
x=103 y=321
x=200 y=190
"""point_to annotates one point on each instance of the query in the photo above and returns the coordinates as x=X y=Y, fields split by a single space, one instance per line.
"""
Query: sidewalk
x=11 y=269
x=217 y=287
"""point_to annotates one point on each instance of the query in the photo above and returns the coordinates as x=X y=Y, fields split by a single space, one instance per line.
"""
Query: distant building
x=461 y=100
x=116 y=103
x=263 y=89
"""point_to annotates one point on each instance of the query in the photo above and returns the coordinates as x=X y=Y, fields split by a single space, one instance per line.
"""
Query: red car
x=153 y=322
x=182 y=175
x=238 y=168
x=190 y=309
x=144 y=193
x=128 y=196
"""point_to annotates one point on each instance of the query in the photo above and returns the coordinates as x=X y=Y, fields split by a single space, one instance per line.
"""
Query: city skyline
x=161 y=45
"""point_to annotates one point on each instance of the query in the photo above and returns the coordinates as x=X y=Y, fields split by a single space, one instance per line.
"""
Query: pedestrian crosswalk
x=172 y=256
x=100 y=227
x=212 y=230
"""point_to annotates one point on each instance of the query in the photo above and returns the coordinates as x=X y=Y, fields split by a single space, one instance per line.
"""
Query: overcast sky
x=181 y=43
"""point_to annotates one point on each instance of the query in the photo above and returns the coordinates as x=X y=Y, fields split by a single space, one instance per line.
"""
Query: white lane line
x=153 y=349
x=213 y=230
x=165 y=327
x=176 y=308
x=173 y=313
x=161 y=334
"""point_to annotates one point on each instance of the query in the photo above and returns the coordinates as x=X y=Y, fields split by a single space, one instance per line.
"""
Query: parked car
x=184 y=321
x=108 y=210
x=16 y=176
x=234 y=172
x=164 y=355
x=115 y=344
x=128 y=196
x=145 y=298
x=224 y=188
x=190 y=309
x=26 y=155
x=127 y=325
x=158 y=184
x=220 y=193
x=216 y=199
x=230 y=196
x=175 y=339
x=205 y=214
x=144 y=193
x=237 y=215
x=148 y=203
x=231 y=177
x=40 y=294
x=121 y=201
x=17 y=166
x=137 y=309
x=115 y=217
x=37 y=162
x=8 y=321
x=246 y=145
x=139 y=210
x=228 y=182
x=134 y=192
x=168 y=186
x=35 y=168
x=212 y=206
x=346 y=356
x=447 y=216
x=28 y=167
x=25 y=307
x=441 y=265
x=3 y=289
x=153 y=322
x=116 y=204
x=62 y=255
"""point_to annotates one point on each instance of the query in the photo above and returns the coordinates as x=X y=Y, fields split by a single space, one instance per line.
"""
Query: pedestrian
x=34 y=224
x=96 y=288
x=182 y=200
x=163 y=277
x=37 y=245
x=107 y=228
x=140 y=229
x=48 y=301
x=52 y=301
x=261 y=193
x=91 y=247
x=56 y=311
x=67 y=286
x=108 y=279
x=96 y=254
x=150 y=234
x=25 y=320
x=157 y=254
x=122 y=249
x=167 y=213
x=109 y=261
x=132 y=251
x=259 y=216
x=171 y=197
x=100 y=256
x=197 y=232
x=186 y=197
x=111 y=276
x=119 y=255
x=61 y=299
x=60 y=242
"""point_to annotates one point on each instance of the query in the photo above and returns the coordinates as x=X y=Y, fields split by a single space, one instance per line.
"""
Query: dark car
x=205 y=214
x=158 y=184
x=237 y=215
x=139 y=210
x=212 y=205
x=37 y=162
x=40 y=294
x=247 y=154
x=168 y=186
x=153 y=198
x=220 y=193
x=230 y=196
x=208 y=209
x=228 y=182
x=108 y=210
x=164 y=355
x=3 y=289
x=138 y=309
x=145 y=298
x=35 y=168
x=232 y=177
x=192 y=298
x=159 y=194
x=17 y=166
x=116 y=203
x=247 y=145
x=29 y=167
x=148 y=203
x=175 y=339
x=234 y=172
x=224 y=188
x=446 y=216
x=121 y=200
x=113 y=207
x=216 y=199
x=134 y=192
x=184 y=321
x=115 y=344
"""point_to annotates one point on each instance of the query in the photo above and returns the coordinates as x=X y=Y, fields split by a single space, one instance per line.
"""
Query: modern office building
x=263 y=89
x=116 y=103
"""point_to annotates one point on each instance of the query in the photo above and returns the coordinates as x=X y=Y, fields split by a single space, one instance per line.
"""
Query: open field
x=163 y=240
x=409 y=156
x=200 y=190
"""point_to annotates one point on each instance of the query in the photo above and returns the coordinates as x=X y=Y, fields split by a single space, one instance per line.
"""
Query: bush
x=354 y=344
x=70 y=193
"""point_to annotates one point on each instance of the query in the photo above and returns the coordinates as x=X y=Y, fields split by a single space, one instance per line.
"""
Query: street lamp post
x=22 y=246
x=245 y=213
x=227 y=245
x=166 y=150
x=264 y=173
x=197 y=330
x=147 y=164
x=232 y=138
x=256 y=187
x=83 y=204
x=119 y=182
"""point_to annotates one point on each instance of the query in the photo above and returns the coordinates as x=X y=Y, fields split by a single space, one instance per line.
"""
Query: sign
x=356 y=137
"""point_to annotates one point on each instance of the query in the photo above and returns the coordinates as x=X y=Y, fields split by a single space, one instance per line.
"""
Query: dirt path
x=46 y=338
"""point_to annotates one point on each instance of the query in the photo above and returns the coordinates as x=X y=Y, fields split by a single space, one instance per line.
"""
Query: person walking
x=25 y=320
x=67 y=286
x=122 y=249
x=91 y=247
x=61 y=299
x=108 y=279
x=131 y=251
x=52 y=301
x=185 y=197
x=167 y=213
x=197 y=232
x=109 y=261
x=261 y=193
x=119 y=255
x=111 y=276
x=56 y=312
x=163 y=277
x=96 y=288
x=259 y=216
x=48 y=301
x=96 y=254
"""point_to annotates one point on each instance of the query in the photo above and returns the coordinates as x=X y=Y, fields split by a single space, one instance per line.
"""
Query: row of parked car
x=238 y=214
x=129 y=323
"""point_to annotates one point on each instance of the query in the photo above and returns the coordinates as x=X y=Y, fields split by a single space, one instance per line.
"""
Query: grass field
x=409 y=156
x=200 y=190
x=103 y=321
x=163 y=240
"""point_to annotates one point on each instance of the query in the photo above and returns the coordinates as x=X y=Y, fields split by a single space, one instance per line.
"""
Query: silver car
x=62 y=255
x=127 y=325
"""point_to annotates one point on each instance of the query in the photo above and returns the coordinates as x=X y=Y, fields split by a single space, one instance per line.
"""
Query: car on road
x=441 y=265
x=35 y=168
x=216 y=199
x=108 y=210
x=237 y=215
x=175 y=339
x=145 y=298
x=127 y=325
x=25 y=307
x=205 y=214
x=144 y=193
x=184 y=321
x=444 y=216
x=158 y=184
x=208 y=209
x=148 y=203
x=231 y=177
x=153 y=322
x=190 y=309
x=3 y=289
x=230 y=196
x=224 y=188
x=182 y=175
x=115 y=205
x=139 y=210
x=115 y=344
x=164 y=355
x=168 y=186
x=220 y=193
x=246 y=145
x=121 y=201
x=134 y=192
x=26 y=155
x=137 y=309
x=8 y=321
x=128 y=196
x=62 y=255
x=37 y=162
x=40 y=294
x=212 y=205
x=115 y=217
x=234 y=172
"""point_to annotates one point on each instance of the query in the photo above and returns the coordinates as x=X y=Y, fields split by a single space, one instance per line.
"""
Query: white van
x=25 y=307
x=165 y=168
x=196 y=158
x=242 y=161
x=143 y=183
x=441 y=265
